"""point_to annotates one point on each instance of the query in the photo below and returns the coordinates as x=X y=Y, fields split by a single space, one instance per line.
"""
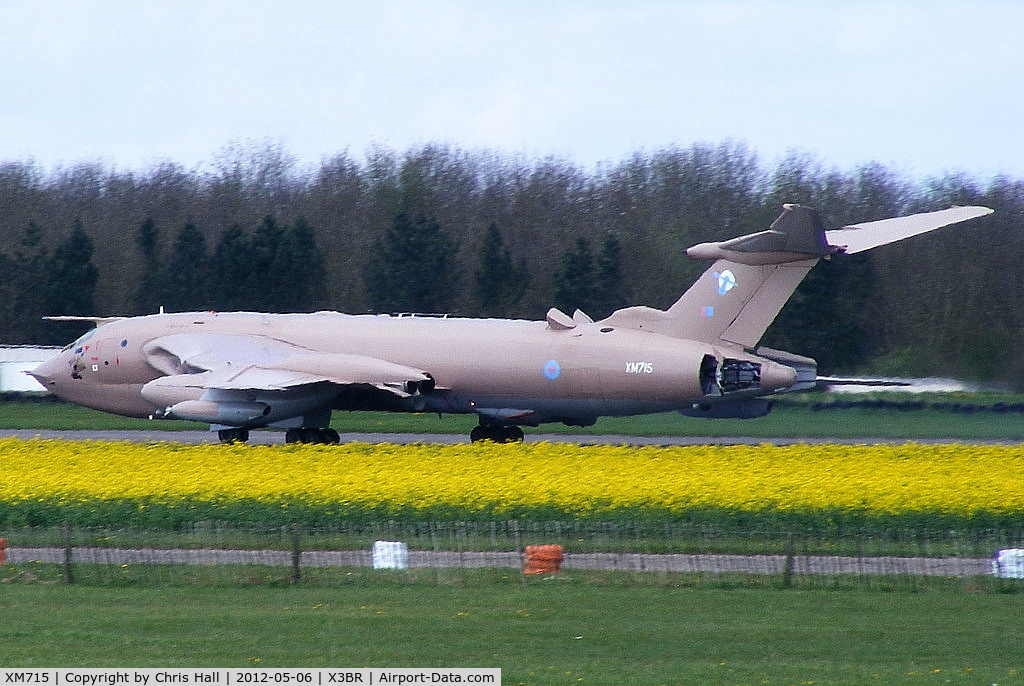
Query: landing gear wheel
x=498 y=434
x=312 y=434
x=233 y=435
x=513 y=434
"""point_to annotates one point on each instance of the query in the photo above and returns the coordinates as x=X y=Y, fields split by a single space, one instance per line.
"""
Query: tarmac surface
x=277 y=438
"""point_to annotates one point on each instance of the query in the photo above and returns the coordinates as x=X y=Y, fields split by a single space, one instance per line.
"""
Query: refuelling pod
x=226 y=413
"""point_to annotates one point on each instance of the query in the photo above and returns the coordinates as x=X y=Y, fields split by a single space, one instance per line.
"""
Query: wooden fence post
x=69 y=577
x=296 y=554
x=787 y=570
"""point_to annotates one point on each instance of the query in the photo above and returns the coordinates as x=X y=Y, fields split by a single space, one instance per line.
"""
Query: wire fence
x=207 y=553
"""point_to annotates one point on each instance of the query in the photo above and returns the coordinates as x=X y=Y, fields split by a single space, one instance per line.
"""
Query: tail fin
x=753 y=276
x=735 y=303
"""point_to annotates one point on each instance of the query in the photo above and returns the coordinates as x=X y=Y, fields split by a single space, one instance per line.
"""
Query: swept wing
x=255 y=380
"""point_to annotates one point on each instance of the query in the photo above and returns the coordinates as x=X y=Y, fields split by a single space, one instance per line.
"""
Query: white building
x=15 y=360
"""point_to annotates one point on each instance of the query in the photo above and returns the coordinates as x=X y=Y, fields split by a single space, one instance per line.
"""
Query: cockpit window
x=79 y=344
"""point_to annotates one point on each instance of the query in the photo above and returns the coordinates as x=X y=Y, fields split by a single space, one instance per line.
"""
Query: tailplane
x=753 y=276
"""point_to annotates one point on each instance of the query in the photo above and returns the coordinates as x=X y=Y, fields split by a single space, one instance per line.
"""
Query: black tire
x=498 y=434
x=513 y=434
x=312 y=435
x=233 y=435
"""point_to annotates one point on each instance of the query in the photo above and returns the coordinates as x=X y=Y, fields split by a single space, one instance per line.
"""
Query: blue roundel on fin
x=726 y=281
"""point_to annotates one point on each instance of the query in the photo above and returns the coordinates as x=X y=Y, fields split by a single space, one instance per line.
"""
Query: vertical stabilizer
x=738 y=298
x=736 y=303
x=740 y=295
x=753 y=276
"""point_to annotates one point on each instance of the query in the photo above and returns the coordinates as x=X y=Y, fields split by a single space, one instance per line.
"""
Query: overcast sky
x=924 y=87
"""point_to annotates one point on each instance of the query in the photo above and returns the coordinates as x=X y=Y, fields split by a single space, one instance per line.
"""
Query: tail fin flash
x=753 y=276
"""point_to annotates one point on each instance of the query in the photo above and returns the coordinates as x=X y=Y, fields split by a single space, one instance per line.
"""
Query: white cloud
x=924 y=85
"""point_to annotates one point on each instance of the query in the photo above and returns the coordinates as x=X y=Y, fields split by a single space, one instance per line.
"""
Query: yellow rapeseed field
x=542 y=479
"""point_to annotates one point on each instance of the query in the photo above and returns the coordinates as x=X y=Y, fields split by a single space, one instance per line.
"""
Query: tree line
x=441 y=229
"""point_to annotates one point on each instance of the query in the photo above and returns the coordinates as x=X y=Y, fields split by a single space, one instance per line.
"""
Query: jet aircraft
x=239 y=371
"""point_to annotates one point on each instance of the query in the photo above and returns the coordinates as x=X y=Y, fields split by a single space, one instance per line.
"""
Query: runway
x=277 y=438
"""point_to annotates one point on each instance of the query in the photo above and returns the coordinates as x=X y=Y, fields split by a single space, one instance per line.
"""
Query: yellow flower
x=509 y=480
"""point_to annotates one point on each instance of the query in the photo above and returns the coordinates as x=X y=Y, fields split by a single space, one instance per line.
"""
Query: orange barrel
x=543 y=559
x=3 y=550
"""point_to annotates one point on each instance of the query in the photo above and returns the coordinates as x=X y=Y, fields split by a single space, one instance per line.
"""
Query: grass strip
x=556 y=630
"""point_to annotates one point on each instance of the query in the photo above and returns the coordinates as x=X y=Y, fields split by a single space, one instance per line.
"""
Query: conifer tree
x=230 y=270
x=70 y=282
x=187 y=275
x=301 y=264
x=149 y=295
x=22 y=290
x=575 y=283
x=267 y=285
x=611 y=293
x=500 y=282
x=412 y=267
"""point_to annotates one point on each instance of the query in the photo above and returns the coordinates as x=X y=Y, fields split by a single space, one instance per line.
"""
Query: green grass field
x=792 y=418
x=555 y=630
x=580 y=628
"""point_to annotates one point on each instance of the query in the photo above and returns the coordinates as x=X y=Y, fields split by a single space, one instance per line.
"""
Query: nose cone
x=50 y=371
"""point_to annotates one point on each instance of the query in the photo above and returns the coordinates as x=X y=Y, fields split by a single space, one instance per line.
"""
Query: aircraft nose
x=48 y=372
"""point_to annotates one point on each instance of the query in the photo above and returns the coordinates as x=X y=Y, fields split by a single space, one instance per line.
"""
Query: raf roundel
x=726 y=281
x=552 y=369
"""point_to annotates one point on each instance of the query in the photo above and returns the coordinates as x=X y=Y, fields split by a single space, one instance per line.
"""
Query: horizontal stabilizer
x=860 y=237
x=798 y=234
x=753 y=276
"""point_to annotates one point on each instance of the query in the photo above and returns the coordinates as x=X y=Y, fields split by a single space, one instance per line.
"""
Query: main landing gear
x=233 y=435
x=496 y=433
x=310 y=434
x=306 y=434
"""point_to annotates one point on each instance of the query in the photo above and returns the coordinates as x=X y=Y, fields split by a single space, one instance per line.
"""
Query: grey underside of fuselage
x=506 y=410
